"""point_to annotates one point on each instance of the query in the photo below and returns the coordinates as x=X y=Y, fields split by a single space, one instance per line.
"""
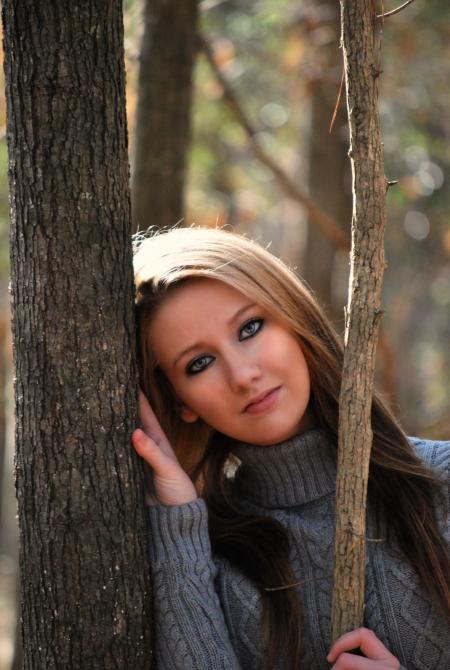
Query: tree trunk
x=162 y=133
x=329 y=171
x=17 y=659
x=4 y=330
x=359 y=41
x=83 y=545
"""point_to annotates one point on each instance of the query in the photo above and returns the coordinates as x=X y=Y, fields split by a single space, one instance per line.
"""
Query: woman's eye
x=198 y=364
x=250 y=328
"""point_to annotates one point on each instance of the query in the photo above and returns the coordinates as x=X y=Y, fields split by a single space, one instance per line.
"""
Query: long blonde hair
x=400 y=483
x=166 y=260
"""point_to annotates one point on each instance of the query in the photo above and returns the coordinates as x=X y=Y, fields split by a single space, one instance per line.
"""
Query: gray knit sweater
x=207 y=614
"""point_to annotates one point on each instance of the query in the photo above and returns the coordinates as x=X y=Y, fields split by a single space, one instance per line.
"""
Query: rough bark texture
x=17 y=659
x=329 y=171
x=162 y=132
x=4 y=330
x=360 y=48
x=83 y=553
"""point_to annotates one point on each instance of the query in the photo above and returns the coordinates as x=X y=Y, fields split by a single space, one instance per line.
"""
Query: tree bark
x=4 y=331
x=17 y=659
x=83 y=547
x=163 y=117
x=360 y=49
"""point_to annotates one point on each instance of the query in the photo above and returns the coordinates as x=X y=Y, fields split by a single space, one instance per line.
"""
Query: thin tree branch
x=361 y=54
x=394 y=11
x=328 y=226
x=338 y=100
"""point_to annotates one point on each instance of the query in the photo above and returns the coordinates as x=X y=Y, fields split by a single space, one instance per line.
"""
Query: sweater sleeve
x=190 y=629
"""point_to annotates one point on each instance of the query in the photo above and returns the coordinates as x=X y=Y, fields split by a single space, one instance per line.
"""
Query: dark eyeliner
x=189 y=367
x=255 y=319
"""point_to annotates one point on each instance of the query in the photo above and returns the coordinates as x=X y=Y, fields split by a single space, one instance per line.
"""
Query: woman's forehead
x=201 y=298
x=197 y=312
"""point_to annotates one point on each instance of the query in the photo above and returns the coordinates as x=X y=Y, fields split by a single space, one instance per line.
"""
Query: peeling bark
x=360 y=49
x=83 y=547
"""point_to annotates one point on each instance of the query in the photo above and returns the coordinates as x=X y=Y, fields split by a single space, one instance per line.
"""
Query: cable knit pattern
x=207 y=614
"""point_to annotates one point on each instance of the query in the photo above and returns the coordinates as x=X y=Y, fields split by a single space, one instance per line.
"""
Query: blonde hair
x=164 y=261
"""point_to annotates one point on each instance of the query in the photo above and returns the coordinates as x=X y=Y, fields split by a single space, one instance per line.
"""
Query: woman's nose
x=243 y=373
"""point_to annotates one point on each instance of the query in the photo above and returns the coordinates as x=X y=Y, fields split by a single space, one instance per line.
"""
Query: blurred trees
x=162 y=129
x=329 y=175
x=416 y=132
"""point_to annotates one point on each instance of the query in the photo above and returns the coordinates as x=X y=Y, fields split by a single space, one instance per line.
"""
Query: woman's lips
x=263 y=401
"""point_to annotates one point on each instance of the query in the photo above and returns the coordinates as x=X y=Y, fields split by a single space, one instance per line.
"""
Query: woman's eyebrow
x=241 y=311
x=196 y=345
x=191 y=347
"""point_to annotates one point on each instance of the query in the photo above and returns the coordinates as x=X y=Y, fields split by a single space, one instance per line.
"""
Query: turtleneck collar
x=288 y=474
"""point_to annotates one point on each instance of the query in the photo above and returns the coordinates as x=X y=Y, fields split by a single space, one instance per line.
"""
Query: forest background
x=283 y=64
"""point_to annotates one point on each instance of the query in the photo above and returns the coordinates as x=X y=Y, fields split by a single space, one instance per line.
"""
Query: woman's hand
x=376 y=656
x=171 y=485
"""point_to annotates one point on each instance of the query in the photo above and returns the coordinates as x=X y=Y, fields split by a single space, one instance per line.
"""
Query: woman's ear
x=187 y=414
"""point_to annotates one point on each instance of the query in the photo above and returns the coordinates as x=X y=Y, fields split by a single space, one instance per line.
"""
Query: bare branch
x=386 y=15
x=363 y=313
x=327 y=225
x=338 y=100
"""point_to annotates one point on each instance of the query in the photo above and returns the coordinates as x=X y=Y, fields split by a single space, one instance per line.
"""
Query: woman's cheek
x=198 y=392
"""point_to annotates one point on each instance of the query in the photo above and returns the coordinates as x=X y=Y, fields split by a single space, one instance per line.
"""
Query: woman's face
x=231 y=363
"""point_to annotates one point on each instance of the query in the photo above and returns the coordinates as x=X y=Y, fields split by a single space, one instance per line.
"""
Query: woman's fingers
x=146 y=414
x=170 y=485
x=372 y=648
x=348 y=661
x=162 y=462
x=150 y=451
x=152 y=426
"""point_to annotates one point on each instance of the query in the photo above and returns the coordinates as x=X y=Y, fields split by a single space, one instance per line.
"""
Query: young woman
x=242 y=372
